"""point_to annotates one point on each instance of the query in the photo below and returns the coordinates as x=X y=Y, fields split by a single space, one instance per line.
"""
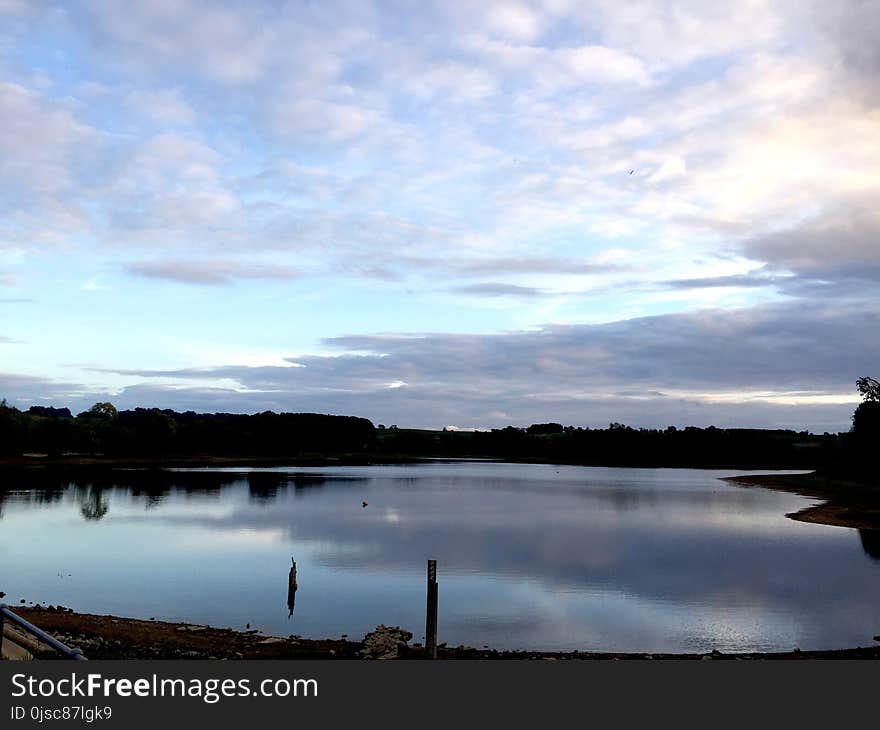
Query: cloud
x=841 y=243
x=514 y=19
x=672 y=33
x=734 y=280
x=40 y=141
x=450 y=79
x=555 y=69
x=497 y=289
x=844 y=32
x=209 y=272
x=532 y=265
x=671 y=168
x=231 y=46
x=167 y=107
x=15 y=8
x=776 y=365
x=321 y=120
x=25 y=390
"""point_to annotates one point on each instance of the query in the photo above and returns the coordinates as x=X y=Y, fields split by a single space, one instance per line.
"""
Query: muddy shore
x=844 y=503
x=114 y=637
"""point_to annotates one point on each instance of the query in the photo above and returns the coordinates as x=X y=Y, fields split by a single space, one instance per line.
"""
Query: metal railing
x=68 y=653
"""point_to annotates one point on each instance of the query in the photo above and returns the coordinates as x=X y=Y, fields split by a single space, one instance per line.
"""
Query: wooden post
x=431 y=612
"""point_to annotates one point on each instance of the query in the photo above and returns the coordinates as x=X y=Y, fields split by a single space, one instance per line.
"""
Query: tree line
x=152 y=432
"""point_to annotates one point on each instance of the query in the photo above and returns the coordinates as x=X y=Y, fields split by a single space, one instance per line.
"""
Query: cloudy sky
x=443 y=214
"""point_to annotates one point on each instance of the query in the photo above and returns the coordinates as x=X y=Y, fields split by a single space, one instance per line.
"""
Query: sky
x=443 y=213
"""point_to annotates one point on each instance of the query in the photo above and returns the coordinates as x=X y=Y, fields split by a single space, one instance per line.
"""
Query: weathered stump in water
x=291 y=588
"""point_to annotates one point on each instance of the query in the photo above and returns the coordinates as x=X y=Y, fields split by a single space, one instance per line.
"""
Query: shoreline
x=91 y=461
x=114 y=637
x=843 y=503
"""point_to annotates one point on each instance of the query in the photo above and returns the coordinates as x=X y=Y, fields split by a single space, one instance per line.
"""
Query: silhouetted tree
x=103 y=410
x=866 y=419
x=869 y=389
x=861 y=455
x=545 y=428
x=49 y=412
x=13 y=429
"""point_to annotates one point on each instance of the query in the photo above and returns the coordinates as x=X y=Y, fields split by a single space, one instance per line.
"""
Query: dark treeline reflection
x=93 y=501
x=93 y=504
x=46 y=486
x=871 y=542
x=264 y=486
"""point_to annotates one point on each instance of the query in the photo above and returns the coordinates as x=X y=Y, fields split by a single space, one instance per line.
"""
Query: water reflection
x=870 y=542
x=93 y=505
x=530 y=556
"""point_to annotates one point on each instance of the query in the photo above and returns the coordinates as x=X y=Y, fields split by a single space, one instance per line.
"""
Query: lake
x=529 y=556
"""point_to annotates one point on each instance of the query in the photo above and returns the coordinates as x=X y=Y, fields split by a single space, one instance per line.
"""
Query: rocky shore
x=114 y=637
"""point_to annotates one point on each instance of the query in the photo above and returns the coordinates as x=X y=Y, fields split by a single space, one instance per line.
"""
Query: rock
x=385 y=642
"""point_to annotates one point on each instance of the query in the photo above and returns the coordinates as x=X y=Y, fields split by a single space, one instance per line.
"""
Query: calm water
x=529 y=556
